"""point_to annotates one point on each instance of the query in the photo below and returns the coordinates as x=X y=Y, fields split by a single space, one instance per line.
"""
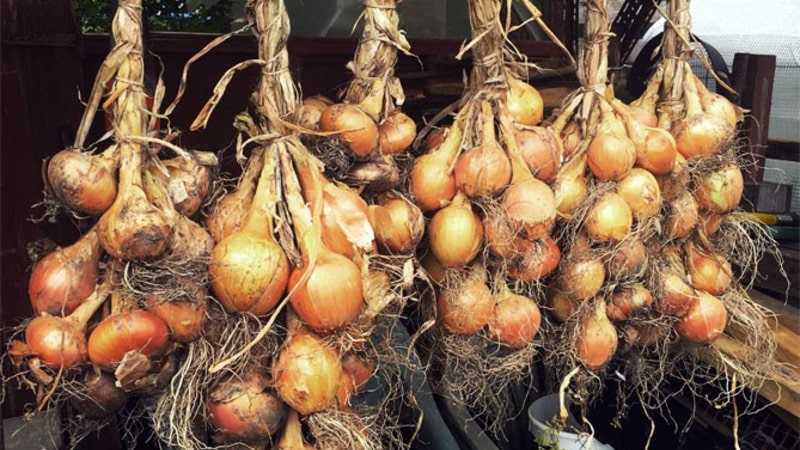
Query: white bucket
x=544 y=411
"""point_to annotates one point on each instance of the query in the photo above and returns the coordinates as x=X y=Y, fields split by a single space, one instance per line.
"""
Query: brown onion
x=484 y=170
x=306 y=373
x=311 y=111
x=597 y=341
x=361 y=369
x=501 y=240
x=611 y=154
x=721 y=190
x=673 y=184
x=629 y=259
x=708 y=272
x=396 y=133
x=626 y=301
x=717 y=105
x=432 y=181
x=63 y=279
x=516 y=319
x=468 y=307
x=542 y=151
x=581 y=275
x=534 y=259
x=116 y=335
x=655 y=147
x=356 y=128
x=571 y=138
x=99 y=395
x=189 y=180
x=641 y=192
x=229 y=212
x=673 y=294
x=530 y=204
x=710 y=222
x=699 y=133
x=704 y=321
x=524 y=102
x=609 y=219
x=184 y=319
x=570 y=186
x=682 y=215
x=398 y=224
x=435 y=270
x=455 y=233
x=561 y=305
x=61 y=342
x=85 y=183
x=243 y=410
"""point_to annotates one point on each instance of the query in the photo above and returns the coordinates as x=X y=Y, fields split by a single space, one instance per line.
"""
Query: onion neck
x=648 y=99
x=80 y=317
x=450 y=147
x=292 y=437
x=693 y=106
x=259 y=220
x=519 y=168
x=308 y=233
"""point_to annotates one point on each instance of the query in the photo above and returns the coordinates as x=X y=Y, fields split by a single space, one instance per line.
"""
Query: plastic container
x=545 y=410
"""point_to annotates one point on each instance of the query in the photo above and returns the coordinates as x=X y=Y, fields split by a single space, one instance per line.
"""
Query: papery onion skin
x=534 y=260
x=704 y=320
x=629 y=259
x=398 y=224
x=531 y=205
x=83 y=182
x=516 y=320
x=396 y=133
x=455 y=235
x=609 y=219
x=188 y=185
x=311 y=111
x=331 y=296
x=581 y=276
x=64 y=278
x=57 y=342
x=682 y=215
x=242 y=410
x=467 y=308
x=501 y=240
x=542 y=151
x=525 y=103
x=249 y=273
x=720 y=191
x=306 y=373
x=673 y=294
x=118 y=334
x=610 y=156
x=626 y=301
x=357 y=129
x=641 y=192
x=597 y=341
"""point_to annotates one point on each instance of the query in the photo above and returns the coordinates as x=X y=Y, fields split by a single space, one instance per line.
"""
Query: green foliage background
x=94 y=16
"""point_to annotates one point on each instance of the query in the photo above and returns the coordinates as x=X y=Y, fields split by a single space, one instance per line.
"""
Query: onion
x=116 y=335
x=721 y=190
x=469 y=307
x=675 y=183
x=455 y=233
x=345 y=225
x=326 y=286
x=710 y=222
x=396 y=133
x=84 y=182
x=581 y=275
x=629 y=259
x=432 y=181
x=248 y=269
x=530 y=204
x=375 y=176
x=184 y=319
x=717 y=105
x=641 y=192
x=597 y=341
x=673 y=294
x=699 y=133
x=561 y=305
x=189 y=180
x=306 y=373
x=345 y=390
x=708 y=272
x=570 y=186
x=484 y=170
x=311 y=111
x=516 y=319
x=434 y=139
x=571 y=138
x=243 y=410
x=655 y=147
x=627 y=300
x=361 y=369
x=534 y=259
x=704 y=321
x=682 y=215
x=132 y=228
x=501 y=240
x=433 y=268
x=611 y=154
x=63 y=279
x=61 y=342
x=609 y=219
x=99 y=397
x=229 y=212
x=542 y=151
x=356 y=128
x=525 y=104
x=643 y=108
x=398 y=224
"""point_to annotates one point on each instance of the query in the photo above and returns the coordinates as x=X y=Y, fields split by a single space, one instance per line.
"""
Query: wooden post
x=754 y=76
